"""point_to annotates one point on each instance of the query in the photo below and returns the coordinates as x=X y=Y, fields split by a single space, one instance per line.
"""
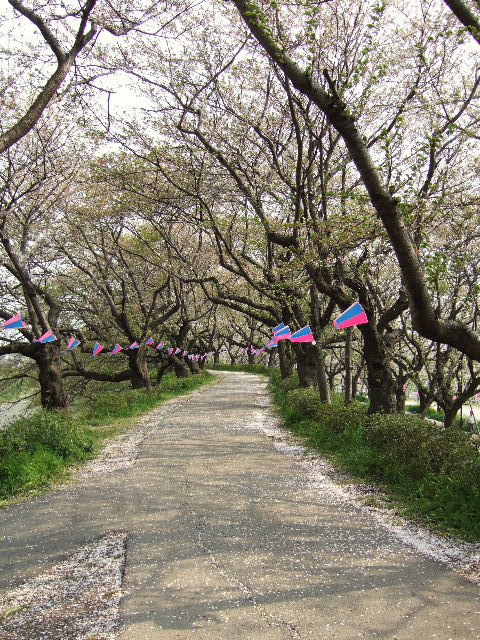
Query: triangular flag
x=303 y=335
x=351 y=317
x=282 y=334
x=73 y=343
x=15 y=322
x=96 y=349
x=48 y=336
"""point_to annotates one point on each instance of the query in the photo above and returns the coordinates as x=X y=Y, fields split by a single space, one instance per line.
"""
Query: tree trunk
x=140 y=377
x=180 y=368
x=399 y=399
x=161 y=371
x=331 y=381
x=322 y=381
x=348 y=366
x=450 y=414
x=425 y=401
x=52 y=389
x=251 y=358
x=216 y=357
x=193 y=366
x=381 y=385
x=271 y=359
x=306 y=365
x=355 y=380
x=282 y=359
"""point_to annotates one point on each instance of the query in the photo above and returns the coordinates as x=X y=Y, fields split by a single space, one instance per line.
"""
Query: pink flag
x=73 y=343
x=15 y=322
x=351 y=317
x=96 y=349
x=303 y=335
x=282 y=334
x=48 y=336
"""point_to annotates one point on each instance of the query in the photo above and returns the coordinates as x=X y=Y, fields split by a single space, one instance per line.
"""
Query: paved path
x=228 y=542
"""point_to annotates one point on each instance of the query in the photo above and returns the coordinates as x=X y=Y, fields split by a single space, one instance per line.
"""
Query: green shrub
x=336 y=417
x=21 y=471
x=49 y=430
x=431 y=473
x=305 y=401
x=287 y=384
x=33 y=451
x=436 y=415
x=413 y=408
x=431 y=413
x=419 y=446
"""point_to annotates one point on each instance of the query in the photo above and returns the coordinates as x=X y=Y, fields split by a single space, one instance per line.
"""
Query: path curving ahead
x=228 y=541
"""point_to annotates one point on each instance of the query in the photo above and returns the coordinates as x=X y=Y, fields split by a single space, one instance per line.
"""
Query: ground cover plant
x=433 y=474
x=38 y=450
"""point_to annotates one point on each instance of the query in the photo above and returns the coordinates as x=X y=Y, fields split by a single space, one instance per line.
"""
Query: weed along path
x=214 y=529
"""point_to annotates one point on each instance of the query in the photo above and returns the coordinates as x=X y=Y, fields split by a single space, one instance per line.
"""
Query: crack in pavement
x=199 y=524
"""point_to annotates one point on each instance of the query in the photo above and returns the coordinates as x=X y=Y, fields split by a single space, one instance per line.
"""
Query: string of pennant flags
x=353 y=316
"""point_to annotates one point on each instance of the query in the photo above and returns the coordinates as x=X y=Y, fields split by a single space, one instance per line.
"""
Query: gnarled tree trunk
x=399 y=399
x=282 y=359
x=381 y=385
x=425 y=401
x=180 y=367
x=193 y=366
x=348 y=366
x=322 y=381
x=306 y=365
x=450 y=415
x=50 y=377
x=139 y=371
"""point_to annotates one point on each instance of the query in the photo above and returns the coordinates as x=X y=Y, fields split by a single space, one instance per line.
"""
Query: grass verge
x=430 y=474
x=36 y=451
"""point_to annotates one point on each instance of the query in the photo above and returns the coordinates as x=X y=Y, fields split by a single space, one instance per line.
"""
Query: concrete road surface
x=228 y=542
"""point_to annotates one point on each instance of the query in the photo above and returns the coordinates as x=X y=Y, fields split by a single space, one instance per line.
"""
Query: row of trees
x=286 y=161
